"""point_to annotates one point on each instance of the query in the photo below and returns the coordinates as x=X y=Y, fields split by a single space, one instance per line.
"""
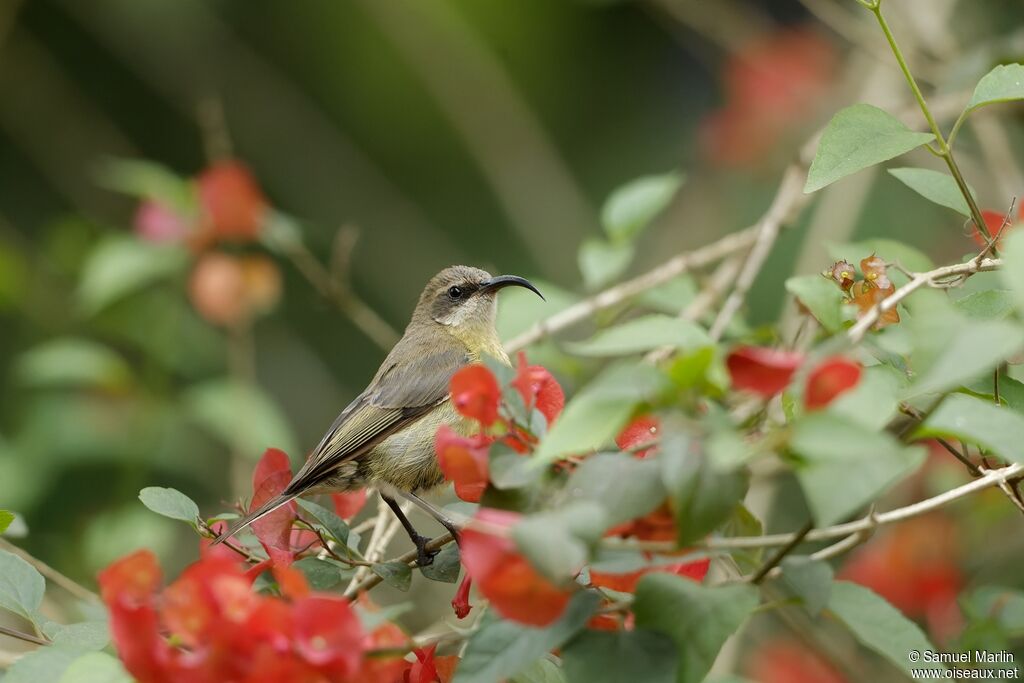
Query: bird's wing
x=401 y=393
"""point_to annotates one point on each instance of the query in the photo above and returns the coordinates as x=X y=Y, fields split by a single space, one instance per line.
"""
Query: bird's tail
x=261 y=511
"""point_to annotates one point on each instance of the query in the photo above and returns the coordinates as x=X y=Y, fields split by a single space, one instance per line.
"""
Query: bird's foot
x=424 y=557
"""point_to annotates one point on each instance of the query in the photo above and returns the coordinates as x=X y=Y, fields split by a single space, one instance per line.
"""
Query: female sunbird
x=385 y=437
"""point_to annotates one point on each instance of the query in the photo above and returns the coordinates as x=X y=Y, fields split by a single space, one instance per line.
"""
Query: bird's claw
x=424 y=557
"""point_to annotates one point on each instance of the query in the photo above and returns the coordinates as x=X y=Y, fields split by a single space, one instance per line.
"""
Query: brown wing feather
x=402 y=392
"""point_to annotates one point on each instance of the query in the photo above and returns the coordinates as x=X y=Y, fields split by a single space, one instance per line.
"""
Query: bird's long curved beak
x=496 y=283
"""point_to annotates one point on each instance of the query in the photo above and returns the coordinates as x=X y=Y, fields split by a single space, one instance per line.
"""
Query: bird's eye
x=455 y=293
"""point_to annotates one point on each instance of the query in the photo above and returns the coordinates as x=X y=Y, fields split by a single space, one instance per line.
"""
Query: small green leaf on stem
x=170 y=503
x=937 y=187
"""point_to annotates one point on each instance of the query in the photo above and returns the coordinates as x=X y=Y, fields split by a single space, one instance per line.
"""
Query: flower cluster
x=209 y=625
x=493 y=562
x=868 y=292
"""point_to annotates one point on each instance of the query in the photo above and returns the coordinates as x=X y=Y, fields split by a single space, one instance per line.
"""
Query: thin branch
x=931 y=279
x=867 y=523
x=781 y=211
x=408 y=558
x=74 y=588
x=27 y=637
x=781 y=553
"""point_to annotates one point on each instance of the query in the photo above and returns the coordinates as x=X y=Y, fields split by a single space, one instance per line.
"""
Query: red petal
x=292 y=582
x=761 y=370
x=876 y=272
x=460 y=603
x=463 y=461
x=539 y=389
x=233 y=204
x=476 y=394
x=994 y=222
x=328 y=633
x=348 y=505
x=830 y=379
x=155 y=222
x=503 y=575
x=273 y=473
x=133 y=579
x=641 y=430
x=626 y=582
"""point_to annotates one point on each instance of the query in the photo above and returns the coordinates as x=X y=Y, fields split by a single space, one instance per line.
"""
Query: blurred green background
x=485 y=132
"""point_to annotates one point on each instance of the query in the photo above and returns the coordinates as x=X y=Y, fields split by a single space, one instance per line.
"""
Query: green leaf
x=500 y=649
x=6 y=517
x=858 y=137
x=541 y=671
x=1012 y=251
x=1005 y=606
x=170 y=503
x=873 y=403
x=21 y=586
x=879 y=625
x=85 y=635
x=967 y=352
x=934 y=186
x=323 y=573
x=633 y=206
x=833 y=448
x=121 y=266
x=445 y=567
x=702 y=496
x=821 y=297
x=72 y=362
x=1004 y=83
x=556 y=541
x=625 y=487
x=616 y=656
x=395 y=574
x=149 y=180
x=810 y=580
x=242 y=415
x=959 y=416
x=509 y=469
x=43 y=664
x=334 y=525
x=96 y=667
x=989 y=304
x=698 y=618
x=641 y=335
x=602 y=262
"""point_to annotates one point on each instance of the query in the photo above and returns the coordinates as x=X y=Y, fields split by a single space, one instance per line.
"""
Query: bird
x=385 y=437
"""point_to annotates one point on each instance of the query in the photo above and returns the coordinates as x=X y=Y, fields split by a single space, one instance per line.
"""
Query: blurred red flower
x=460 y=603
x=771 y=84
x=464 y=461
x=229 y=290
x=783 y=661
x=640 y=431
x=829 y=379
x=348 y=505
x=914 y=566
x=226 y=631
x=539 y=389
x=232 y=203
x=994 y=222
x=503 y=576
x=762 y=370
x=626 y=582
x=429 y=668
x=476 y=394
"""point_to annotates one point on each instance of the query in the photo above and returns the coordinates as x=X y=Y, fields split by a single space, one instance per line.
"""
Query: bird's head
x=463 y=299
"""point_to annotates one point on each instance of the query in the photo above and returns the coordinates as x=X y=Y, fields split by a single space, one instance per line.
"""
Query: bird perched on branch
x=385 y=437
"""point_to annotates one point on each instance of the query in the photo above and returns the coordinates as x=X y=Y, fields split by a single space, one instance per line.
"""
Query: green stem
x=944 y=150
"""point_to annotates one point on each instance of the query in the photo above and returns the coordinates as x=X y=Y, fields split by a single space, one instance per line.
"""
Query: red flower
x=229 y=632
x=539 y=389
x=476 y=394
x=657 y=525
x=464 y=461
x=866 y=296
x=626 y=582
x=761 y=370
x=232 y=202
x=841 y=273
x=642 y=430
x=876 y=272
x=913 y=565
x=784 y=661
x=503 y=575
x=155 y=222
x=831 y=378
x=271 y=476
x=429 y=668
x=348 y=505
x=460 y=603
